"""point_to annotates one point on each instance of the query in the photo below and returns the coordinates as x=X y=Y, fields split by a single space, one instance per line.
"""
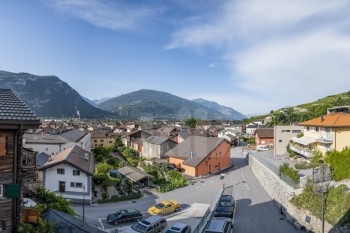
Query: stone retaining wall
x=282 y=193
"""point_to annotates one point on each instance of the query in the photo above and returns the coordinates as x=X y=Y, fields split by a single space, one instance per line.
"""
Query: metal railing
x=289 y=181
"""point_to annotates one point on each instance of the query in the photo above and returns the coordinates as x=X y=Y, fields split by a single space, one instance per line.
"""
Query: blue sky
x=251 y=55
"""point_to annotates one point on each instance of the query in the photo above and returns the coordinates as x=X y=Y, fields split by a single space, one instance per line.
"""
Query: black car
x=171 y=166
x=124 y=215
x=225 y=207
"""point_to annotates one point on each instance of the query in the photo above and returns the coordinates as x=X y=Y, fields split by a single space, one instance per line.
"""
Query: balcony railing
x=302 y=151
x=324 y=140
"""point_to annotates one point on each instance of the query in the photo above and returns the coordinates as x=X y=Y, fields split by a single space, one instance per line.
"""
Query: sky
x=251 y=55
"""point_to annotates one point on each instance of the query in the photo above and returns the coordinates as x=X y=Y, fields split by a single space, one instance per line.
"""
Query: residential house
x=15 y=167
x=69 y=174
x=200 y=156
x=127 y=138
x=324 y=134
x=181 y=136
x=50 y=144
x=155 y=147
x=251 y=128
x=264 y=137
x=79 y=138
x=100 y=138
x=230 y=136
x=282 y=136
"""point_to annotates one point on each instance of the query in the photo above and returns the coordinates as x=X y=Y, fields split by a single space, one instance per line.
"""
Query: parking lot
x=190 y=215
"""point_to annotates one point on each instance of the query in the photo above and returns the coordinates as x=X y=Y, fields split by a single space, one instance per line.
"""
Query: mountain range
x=48 y=96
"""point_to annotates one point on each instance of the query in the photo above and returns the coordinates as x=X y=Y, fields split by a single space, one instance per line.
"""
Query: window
x=219 y=153
x=1 y=190
x=60 y=171
x=285 y=131
x=47 y=149
x=280 y=140
x=296 y=131
x=3 y=146
x=101 y=140
x=110 y=142
x=76 y=185
x=317 y=129
x=95 y=140
x=307 y=128
x=76 y=173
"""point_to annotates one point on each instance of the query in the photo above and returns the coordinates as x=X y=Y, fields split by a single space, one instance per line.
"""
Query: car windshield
x=224 y=203
x=139 y=228
x=159 y=206
x=172 y=231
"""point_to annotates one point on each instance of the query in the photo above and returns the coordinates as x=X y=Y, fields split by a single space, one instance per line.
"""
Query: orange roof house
x=324 y=134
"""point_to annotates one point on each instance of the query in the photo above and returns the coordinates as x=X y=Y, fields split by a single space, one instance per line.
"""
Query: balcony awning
x=304 y=140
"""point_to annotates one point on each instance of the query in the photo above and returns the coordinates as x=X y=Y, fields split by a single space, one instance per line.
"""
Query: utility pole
x=322 y=190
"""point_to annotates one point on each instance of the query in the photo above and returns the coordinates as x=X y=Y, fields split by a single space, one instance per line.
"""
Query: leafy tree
x=118 y=143
x=191 y=122
x=317 y=158
x=129 y=152
x=103 y=168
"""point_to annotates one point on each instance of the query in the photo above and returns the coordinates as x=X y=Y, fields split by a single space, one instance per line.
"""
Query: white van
x=261 y=147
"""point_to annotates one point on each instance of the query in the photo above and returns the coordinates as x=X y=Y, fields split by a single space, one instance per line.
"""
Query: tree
x=191 y=122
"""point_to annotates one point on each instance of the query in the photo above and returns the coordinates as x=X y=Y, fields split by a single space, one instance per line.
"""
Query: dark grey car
x=225 y=207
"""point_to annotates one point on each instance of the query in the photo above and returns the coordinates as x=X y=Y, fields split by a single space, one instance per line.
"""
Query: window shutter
x=13 y=190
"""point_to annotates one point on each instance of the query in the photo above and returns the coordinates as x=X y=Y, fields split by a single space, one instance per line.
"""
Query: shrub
x=104 y=195
x=317 y=158
x=290 y=172
x=99 y=158
x=99 y=178
x=339 y=163
x=53 y=201
x=337 y=202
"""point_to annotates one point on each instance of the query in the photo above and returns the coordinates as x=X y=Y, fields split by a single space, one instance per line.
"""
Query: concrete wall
x=282 y=194
x=283 y=134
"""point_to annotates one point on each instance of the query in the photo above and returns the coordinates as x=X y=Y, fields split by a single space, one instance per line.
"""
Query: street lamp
x=322 y=195
x=83 y=202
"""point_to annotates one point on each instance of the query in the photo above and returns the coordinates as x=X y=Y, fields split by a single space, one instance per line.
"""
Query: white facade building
x=69 y=174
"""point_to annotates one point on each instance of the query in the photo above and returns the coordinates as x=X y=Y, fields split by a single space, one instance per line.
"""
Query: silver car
x=149 y=225
x=179 y=228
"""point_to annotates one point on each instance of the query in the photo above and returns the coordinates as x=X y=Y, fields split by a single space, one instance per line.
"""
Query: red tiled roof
x=338 y=119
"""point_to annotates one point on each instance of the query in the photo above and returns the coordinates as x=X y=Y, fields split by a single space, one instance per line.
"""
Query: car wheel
x=161 y=229
x=116 y=223
x=177 y=209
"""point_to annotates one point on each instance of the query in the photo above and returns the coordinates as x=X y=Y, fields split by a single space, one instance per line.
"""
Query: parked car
x=219 y=226
x=225 y=206
x=149 y=225
x=179 y=228
x=171 y=166
x=261 y=148
x=124 y=215
x=164 y=207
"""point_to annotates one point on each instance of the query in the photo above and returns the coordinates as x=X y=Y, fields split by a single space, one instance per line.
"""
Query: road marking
x=212 y=181
x=197 y=187
x=103 y=227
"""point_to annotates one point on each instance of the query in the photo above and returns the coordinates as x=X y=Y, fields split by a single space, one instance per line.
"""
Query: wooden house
x=16 y=165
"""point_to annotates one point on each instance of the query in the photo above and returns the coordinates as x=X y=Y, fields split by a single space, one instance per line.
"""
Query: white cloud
x=105 y=14
x=281 y=52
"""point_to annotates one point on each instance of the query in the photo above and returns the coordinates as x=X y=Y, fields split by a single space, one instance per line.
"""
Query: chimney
x=322 y=118
x=191 y=154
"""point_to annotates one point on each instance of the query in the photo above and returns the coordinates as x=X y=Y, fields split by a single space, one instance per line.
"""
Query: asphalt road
x=255 y=211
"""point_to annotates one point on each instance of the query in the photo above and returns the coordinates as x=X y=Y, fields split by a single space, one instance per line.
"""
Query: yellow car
x=164 y=207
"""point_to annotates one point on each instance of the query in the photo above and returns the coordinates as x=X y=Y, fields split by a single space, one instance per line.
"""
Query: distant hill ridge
x=159 y=105
x=228 y=112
